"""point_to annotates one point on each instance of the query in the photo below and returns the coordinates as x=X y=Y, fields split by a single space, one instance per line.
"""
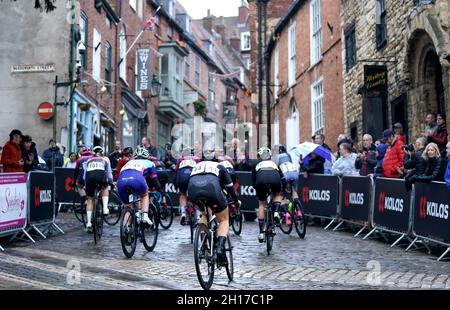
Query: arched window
x=293 y=126
x=123 y=50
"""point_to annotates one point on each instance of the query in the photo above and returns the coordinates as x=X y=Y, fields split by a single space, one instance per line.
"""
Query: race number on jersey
x=266 y=165
x=187 y=163
x=206 y=167
x=95 y=165
x=134 y=165
x=287 y=167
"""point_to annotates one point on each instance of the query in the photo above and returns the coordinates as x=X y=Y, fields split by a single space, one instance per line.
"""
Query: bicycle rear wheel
x=269 y=227
x=150 y=232
x=191 y=225
x=115 y=209
x=300 y=221
x=204 y=261
x=236 y=222
x=79 y=208
x=284 y=226
x=229 y=252
x=166 y=212
x=98 y=220
x=128 y=237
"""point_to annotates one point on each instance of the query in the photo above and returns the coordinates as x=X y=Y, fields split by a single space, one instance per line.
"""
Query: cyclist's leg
x=91 y=183
x=262 y=195
x=183 y=202
x=105 y=199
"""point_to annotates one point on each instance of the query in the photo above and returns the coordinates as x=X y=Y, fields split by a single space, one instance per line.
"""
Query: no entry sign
x=45 y=110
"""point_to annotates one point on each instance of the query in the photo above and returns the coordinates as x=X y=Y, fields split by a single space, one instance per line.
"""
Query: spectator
x=345 y=165
x=148 y=144
x=343 y=139
x=447 y=173
x=72 y=161
x=12 y=159
x=29 y=154
x=440 y=135
x=380 y=152
x=414 y=162
x=398 y=131
x=169 y=161
x=48 y=154
x=434 y=166
x=315 y=165
x=320 y=140
x=367 y=158
x=393 y=160
x=431 y=126
x=127 y=154
x=115 y=155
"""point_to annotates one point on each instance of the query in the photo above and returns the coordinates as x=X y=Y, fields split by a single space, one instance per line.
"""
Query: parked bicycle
x=205 y=248
x=131 y=229
x=293 y=216
x=164 y=208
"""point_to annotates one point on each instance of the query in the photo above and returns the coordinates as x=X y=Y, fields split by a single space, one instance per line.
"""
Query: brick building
x=306 y=73
x=407 y=44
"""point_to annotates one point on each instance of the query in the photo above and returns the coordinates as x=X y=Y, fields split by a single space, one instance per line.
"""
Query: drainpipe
x=72 y=89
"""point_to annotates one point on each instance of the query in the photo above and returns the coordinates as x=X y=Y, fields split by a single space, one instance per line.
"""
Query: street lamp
x=155 y=86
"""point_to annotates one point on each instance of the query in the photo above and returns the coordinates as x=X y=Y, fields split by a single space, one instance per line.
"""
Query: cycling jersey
x=227 y=165
x=79 y=170
x=97 y=171
x=144 y=166
x=183 y=170
x=266 y=174
x=284 y=158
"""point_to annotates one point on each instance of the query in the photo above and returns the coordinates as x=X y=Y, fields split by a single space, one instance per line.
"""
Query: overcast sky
x=198 y=8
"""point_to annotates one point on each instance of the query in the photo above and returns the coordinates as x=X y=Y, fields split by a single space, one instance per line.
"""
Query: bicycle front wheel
x=203 y=257
x=150 y=232
x=166 y=212
x=229 y=252
x=98 y=221
x=115 y=209
x=128 y=238
x=300 y=221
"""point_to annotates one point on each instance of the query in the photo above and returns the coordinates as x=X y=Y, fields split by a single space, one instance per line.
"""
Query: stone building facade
x=408 y=43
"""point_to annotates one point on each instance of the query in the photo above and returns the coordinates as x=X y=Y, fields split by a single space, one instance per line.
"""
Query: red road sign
x=45 y=110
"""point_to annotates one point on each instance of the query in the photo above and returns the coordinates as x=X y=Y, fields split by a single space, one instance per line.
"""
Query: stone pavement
x=323 y=260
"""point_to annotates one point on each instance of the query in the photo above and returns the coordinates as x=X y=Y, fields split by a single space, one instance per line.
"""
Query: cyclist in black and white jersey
x=266 y=174
x=97 y=171
x=208 y=179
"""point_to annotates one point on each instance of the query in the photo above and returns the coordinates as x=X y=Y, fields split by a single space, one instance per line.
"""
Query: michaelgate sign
x=32 y=68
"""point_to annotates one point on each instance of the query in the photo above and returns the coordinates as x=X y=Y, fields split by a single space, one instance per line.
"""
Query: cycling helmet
x=264 y=153
x=127 y=151
x=141 y=153
x=187 y=151
x=97 y=149
x=281 y=149
x=85 y=151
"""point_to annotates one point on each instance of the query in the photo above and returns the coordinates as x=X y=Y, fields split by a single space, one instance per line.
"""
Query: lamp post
x=155 y=86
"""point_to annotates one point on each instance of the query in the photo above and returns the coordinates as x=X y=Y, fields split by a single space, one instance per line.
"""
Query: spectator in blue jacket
x=447 y=173
x=48 y=154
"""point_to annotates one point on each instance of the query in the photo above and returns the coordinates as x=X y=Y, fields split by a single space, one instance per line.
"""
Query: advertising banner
x=13 y=201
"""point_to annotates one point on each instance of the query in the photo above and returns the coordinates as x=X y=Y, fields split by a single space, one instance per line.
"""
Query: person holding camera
x=366 y=159
x=414 y=162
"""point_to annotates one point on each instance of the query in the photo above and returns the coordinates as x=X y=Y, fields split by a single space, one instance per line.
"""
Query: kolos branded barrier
x=64 y=192
x=431 y=213
x=319 y=194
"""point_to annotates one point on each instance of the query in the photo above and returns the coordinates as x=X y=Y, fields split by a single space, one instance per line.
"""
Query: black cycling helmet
x=281 y=149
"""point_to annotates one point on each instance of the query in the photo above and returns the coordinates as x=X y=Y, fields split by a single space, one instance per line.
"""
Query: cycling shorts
x=94 y=178
x=182 y=180
x=131 y=179
x=207 y=186
x=267 y=179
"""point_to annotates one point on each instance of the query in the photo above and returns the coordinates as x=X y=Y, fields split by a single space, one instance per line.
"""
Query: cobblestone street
x=323 y=260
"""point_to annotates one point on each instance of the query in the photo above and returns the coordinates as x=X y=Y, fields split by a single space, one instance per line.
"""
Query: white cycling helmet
x=141 y=153
x=264 y=153
x=97 y=149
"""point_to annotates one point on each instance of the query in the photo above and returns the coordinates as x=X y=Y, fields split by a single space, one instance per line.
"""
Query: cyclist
x=127 y=154
x=290 y=174
x=139 y=174
x=97 y=171
x=208 y=179
x=264 y=173
x=85 y=155
x=183 y=170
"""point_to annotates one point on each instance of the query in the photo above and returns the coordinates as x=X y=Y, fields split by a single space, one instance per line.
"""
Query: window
x=350 y=46
x=97 y=59
x=140 y=9
x=197 y=70
x=245 y=41
x=133 y=4
x=276 y=69
x=178 y=79
x=170 y=32
x=291 y=54
x=317 y=107
x=381 y=28
x=211 y=91
x=171 y=8
x=187 y=67
x=247 y=63
x=123 y=50
x=84 y=38
x=108 y=66
x=316 y=31
x=172 y=76
x=165 y=74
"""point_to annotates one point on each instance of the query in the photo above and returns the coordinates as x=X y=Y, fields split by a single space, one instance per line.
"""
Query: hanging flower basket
x=84 y=106
x=200 y=108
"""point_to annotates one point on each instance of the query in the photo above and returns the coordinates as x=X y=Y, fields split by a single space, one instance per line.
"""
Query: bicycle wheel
x=150 y=232
x=204 y=261
x=236 y=222
x=300 y=221
x=284 y=226
x=79 y=208
x=115 y=209
x=191 y=225
x=128 y=237
x=98 y=221
x=229 y=252
x=166 y=212
x=269 y=227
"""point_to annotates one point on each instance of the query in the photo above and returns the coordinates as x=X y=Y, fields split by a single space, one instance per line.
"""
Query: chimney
x=208 y=22
x=209 y=13
x=222 y=30
x=243 y=14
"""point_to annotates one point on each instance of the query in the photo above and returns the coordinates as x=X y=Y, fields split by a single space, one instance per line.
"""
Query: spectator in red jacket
x=393 y=160
x=12 y=156
x=127 y=154
x=398 y=131
x=440 y=135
